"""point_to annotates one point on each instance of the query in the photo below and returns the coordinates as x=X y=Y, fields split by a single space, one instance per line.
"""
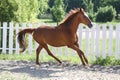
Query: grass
x=108 y=61
x=17 y=57
x=45 y=58
x=46 y=21
x=63 y=55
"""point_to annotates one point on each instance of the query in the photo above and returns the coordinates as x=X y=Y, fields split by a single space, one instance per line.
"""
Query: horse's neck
x=73 y=26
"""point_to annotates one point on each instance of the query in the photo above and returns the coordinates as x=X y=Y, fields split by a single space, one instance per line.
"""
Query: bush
x=105 y=14
x=108 y=61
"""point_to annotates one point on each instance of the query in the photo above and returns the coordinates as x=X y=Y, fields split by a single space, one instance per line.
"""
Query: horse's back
x=49 y=35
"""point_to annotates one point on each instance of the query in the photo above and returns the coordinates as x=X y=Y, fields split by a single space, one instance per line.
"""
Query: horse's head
x=83 y=17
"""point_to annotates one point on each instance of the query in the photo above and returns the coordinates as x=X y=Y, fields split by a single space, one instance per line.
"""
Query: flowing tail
x=21 y=37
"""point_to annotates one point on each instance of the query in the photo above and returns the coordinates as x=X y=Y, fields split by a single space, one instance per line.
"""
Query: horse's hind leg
x=80 y=53
x=49 y=52
x=37 y=54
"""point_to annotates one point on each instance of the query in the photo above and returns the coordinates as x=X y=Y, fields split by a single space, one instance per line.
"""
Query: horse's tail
x=21 y=37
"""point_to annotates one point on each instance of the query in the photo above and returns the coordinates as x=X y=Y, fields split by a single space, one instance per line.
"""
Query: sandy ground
x=26 y=70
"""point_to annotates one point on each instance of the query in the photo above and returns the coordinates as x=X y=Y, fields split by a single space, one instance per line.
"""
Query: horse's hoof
x=88 y=64
x=60 y=64
x=83 y=64
x=38 y=64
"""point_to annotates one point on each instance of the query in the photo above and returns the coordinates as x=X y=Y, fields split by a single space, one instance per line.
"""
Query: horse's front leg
x=37 y=54
x=80 y=53
x=77 y=45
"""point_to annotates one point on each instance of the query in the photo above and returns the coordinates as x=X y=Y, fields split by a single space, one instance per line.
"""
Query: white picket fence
x=100 y=40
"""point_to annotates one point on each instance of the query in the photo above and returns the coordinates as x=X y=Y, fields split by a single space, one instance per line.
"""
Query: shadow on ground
x=47 y=69
x=29 y=68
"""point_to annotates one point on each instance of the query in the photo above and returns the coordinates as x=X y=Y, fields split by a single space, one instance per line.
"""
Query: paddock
x=101 y=40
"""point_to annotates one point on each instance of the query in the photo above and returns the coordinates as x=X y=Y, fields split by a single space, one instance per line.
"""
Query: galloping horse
x=62 y=35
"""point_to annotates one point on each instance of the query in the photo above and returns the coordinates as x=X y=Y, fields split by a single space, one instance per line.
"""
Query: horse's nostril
x=90 y=25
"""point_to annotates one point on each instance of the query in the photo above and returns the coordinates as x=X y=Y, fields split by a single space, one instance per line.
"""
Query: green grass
x=108 y=61
x=45 y=58
x=67 y=56
x=30 y=57
x=46 y=21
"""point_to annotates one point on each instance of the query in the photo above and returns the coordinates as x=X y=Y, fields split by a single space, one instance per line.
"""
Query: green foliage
x=58 y=11
x=18 y=10
x=108 y=61
x=115 y=4
x=105 y=14
x=27 y=10
x=7 y=10
x=97 y=4
x=71 y=4
x=92 y=16
x=43 y=6
x=89 y=6
x=90 y=9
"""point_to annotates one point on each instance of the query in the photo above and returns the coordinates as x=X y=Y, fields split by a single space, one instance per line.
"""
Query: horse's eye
x=84 y=16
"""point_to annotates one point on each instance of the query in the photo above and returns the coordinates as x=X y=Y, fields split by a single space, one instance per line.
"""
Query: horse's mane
x=70 y=15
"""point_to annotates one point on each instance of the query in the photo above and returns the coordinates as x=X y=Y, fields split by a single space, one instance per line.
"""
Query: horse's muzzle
x=90 y=25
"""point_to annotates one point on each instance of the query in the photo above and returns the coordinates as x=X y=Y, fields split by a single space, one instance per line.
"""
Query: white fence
x=100 y=40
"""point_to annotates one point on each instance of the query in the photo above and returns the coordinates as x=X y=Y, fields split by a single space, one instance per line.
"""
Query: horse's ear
x=81 y=9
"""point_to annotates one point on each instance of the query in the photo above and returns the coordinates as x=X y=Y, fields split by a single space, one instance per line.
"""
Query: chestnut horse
x=62 y=35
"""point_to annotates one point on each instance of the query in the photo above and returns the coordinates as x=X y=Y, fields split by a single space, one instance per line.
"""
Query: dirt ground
x=27 y=70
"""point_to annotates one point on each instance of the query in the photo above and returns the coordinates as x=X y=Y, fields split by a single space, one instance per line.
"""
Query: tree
x=97 y=4
x=115 y=4
x=89 y=5
x=18 y=10
x=43 y=9
x=105 y=14
x=58 y=11
x=27 y=10
x=7 y=10
x=71 y=4
x=7 y=13
x=43 y=6
x=90 y=9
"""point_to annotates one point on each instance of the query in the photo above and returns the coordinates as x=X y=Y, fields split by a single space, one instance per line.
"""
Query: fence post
x=104 y=40
x=10 y=37
x=30 y=40
x=97 y=40
x=4 y=37
x=117 y=41
x=92 y=47
x=110 y=40
x=23 y=27
x=80 y=35
x=16 y=42
x=87 y=40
